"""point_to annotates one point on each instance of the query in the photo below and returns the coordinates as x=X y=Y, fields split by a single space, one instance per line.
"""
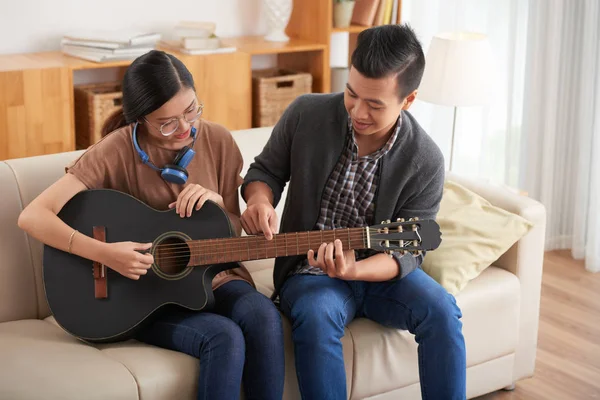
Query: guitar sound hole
x=172 y=255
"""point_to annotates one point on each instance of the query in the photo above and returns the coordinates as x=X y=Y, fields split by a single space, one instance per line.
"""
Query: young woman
x=145 y=153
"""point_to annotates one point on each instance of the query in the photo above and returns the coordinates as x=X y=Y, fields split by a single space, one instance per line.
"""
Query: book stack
x=193 y=38
x=105 y=46
x=375 y=12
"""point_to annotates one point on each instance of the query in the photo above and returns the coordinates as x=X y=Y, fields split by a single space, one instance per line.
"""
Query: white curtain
x=488 y=138
x=560 y=152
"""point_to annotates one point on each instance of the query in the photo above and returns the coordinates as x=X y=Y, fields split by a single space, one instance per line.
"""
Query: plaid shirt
x=348 y=198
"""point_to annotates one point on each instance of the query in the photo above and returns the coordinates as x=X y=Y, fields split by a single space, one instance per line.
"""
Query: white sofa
x=39 y=360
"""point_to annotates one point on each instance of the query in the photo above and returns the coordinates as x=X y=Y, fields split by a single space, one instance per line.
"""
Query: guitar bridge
x=100 y=283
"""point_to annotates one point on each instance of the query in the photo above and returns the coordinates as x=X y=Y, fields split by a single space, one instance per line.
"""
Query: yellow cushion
x=474 y=235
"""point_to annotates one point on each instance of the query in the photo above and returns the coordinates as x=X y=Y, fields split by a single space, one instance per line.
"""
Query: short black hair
x=390 y=49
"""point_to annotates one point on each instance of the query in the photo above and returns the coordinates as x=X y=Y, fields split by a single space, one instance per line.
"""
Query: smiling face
x=177 y=115
x=374 y=104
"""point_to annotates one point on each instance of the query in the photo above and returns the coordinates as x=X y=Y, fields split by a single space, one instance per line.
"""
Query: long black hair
x=149 y=82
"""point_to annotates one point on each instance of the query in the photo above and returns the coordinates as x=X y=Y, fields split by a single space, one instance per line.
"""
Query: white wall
x=38 y=25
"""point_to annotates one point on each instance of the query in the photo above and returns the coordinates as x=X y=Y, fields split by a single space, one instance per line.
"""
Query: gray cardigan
x=305 y=146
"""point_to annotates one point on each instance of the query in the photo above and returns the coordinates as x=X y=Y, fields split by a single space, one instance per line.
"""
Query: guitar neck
x=215 y=251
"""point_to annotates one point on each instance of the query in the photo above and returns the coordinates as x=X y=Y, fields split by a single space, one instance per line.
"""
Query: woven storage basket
x=273 y=90
x=94 y=103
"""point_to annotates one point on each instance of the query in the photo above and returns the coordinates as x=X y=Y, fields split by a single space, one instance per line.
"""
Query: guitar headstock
x=412 y=236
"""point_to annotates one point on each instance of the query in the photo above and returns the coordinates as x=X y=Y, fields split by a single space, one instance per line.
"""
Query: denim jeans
x=319 y=308
x=241 y=340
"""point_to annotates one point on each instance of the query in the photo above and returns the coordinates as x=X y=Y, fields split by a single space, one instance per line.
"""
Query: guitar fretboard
x=213 y=251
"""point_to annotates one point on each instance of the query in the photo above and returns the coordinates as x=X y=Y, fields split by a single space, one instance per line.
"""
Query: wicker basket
x=94 y=103
x=273 y=90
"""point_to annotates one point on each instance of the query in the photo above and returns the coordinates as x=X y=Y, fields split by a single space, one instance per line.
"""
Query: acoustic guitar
x=96 y=304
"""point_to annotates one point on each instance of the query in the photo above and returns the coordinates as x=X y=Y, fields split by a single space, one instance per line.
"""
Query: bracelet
x=71 y=240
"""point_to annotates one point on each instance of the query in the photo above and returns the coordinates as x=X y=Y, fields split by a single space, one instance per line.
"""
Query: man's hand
x=260 y=217
x=335 y=261
x=191 y=195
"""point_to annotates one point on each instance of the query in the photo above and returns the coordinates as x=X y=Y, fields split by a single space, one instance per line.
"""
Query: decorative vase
x=342 y=13
x=278 y=16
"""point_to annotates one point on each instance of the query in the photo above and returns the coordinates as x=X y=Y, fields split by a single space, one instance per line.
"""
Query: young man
x=356 y=159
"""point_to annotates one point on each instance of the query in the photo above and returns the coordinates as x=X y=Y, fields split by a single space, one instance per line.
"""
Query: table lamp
x=458 y=72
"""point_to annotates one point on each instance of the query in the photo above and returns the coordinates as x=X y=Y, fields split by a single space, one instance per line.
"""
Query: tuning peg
x=414 y=219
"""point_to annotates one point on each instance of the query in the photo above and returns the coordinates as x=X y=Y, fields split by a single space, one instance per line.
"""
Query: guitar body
x=69 y=279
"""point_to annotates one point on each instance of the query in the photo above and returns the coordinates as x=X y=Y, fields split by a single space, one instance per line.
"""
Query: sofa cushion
x=490 y=308
x=385 y=359
x=474 y=235
x=34 y=175
x=39 y=360
x=159 y=373
x=18 y=295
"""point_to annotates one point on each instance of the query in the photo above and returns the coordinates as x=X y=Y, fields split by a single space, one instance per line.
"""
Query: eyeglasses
x=171 y=126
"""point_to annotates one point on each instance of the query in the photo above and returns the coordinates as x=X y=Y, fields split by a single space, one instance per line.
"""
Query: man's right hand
x=260 y=217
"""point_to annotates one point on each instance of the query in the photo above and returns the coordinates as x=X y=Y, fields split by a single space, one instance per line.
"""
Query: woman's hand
x=191 y=195
x=126 y=259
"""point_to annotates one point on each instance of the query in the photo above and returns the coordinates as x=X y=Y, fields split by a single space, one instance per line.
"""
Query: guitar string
x=342 y=236
x=268 y=246
x=263 y=244
x=216 y=250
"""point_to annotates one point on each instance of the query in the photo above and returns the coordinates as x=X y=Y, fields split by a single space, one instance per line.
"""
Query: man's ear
x=409 y=100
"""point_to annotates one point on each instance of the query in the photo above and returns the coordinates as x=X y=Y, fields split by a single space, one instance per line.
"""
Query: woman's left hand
x=194 y=195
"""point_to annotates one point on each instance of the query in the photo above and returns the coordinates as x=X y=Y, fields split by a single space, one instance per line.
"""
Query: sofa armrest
x=525 y=259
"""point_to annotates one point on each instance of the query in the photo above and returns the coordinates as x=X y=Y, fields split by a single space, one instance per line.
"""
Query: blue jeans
x=241 y=340
x=319 y=308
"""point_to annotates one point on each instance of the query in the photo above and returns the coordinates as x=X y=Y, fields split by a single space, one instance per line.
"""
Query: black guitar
x=97 y=304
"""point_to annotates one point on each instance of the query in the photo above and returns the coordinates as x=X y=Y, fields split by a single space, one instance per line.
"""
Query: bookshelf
x=36 y=89
x=37 y=113
x=313 y=20
x=350 y=29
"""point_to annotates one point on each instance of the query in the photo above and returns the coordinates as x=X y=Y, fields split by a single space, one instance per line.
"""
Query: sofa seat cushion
x=386 y=359
x=41 y=361
x=159 y=373
x=490 y=308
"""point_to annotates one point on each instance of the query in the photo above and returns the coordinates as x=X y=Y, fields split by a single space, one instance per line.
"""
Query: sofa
x=39 y=360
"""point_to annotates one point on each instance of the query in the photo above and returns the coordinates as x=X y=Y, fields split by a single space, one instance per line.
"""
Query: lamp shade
x=458 y=70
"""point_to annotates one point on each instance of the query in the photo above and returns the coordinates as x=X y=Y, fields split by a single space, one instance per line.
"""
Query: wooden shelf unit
x=257 y=45
x=37 y=113
x=350 y=29
x=313 y=20
x=36 y=89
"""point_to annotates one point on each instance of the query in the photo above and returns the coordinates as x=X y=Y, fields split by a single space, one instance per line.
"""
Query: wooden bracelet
x=71 y=240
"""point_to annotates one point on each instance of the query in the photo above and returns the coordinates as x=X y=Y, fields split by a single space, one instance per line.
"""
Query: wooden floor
x=568 y=356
